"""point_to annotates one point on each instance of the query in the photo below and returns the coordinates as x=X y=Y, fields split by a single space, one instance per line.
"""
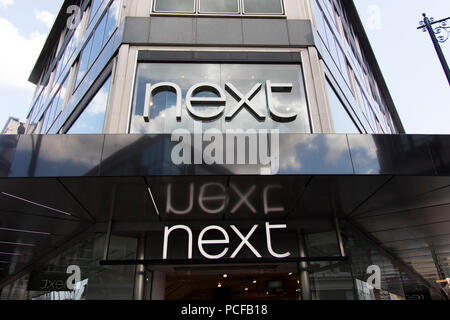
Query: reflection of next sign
x=213 y=198
x=219 y=101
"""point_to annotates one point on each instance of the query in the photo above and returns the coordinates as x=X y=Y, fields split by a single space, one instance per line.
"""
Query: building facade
x=207 y=149
x=13 y=126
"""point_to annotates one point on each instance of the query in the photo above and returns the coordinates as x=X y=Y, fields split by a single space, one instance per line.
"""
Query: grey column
x=159 y=285
x=303 y=272
x=139 y=282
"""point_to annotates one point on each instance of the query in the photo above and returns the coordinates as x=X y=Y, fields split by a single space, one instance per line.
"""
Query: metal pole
x=437 y=264
x=437 y=47
x=303 y=269
x=139 y=282
x=108 y=231
x=338 y=230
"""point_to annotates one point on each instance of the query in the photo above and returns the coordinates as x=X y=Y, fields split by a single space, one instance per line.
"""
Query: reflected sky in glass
x=341 y=119
x=92 y=118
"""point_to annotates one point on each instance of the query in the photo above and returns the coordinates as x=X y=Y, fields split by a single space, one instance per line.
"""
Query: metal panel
x=167 y=30
x=265 y=32
x=219 y=31
x=57 y=155
x=137 y=30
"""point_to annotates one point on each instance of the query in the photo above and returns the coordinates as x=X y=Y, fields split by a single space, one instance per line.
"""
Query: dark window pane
x=175 y=5
x=263 y=6
x=92 y=118
x=341 y=119
x=219 y=6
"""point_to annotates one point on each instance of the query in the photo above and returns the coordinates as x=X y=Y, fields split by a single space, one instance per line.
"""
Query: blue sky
x=406 y=57
x=409 y=62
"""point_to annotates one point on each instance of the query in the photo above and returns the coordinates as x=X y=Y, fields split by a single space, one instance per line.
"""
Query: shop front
x=203 y=237
x=219 y=190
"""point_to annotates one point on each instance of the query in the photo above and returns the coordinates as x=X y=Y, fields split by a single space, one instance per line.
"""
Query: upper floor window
x=175 y=6
x=263 y=6
x=219 y=6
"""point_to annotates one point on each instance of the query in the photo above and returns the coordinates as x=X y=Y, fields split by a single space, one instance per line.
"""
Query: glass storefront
x=327 y=279
x=48 y=282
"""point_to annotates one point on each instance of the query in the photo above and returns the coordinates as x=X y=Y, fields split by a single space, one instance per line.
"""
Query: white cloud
x=6 y=3
x=45 y=17
x=19 y=56
x=98 y=104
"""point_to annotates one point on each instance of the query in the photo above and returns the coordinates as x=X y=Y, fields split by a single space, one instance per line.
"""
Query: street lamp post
x=438 y=35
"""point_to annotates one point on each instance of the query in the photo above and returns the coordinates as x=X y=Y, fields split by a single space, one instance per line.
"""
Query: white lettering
x=210 y=87
x=245 y=241
x=202 y=242
x=269 y=240
x=167 y=233
x=244 y=101
x=283 y=117
x=160 y=87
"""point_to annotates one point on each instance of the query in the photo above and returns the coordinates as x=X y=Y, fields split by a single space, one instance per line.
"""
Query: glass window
x=341 y=119
x=97 y=282
x=213 y=6
x=83 y=63
x=263 y=6
x=92 y=118
x=94 y=7
x=175 y=5
x=61 y=96
x=113 y=18
x=97 y=41
x=48 y=117
x=288 y=102
x=320 y=22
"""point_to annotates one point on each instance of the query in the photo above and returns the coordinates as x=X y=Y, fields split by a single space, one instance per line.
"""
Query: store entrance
x=233 y=282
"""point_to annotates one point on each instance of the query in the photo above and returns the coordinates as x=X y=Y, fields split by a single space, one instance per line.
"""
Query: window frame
x=216 y=57
x=197 y=12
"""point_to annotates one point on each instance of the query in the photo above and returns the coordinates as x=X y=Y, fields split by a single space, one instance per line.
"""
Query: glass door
x=233 y=282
